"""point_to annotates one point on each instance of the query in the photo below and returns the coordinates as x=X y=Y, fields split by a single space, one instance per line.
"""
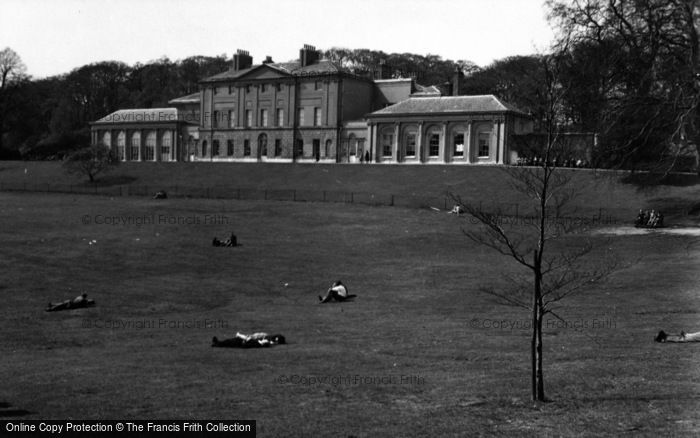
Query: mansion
x=311 y=110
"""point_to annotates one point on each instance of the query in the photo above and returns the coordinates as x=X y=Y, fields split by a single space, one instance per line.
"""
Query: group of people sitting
x=683 y=337
x=231 y=241
x=256 y=340
x=76 y=303
x=556 y=162
x=649 y=219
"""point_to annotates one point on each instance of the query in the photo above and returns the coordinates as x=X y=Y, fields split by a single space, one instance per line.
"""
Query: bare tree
x=554 y=273
x=11 y=67
x=648 y=58
x=12 y=72
x=91 y=161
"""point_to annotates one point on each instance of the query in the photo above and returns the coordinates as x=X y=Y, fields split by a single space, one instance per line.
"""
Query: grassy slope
x=417 y=282
x=412 y=185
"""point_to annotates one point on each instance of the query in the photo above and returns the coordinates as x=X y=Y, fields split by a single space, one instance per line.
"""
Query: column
x=372 y=141
x=156 y=148
x=419 y=143
x=395 y=147
x=468 y=143
x=501 y=143
x=142 y=139
x=443 y=143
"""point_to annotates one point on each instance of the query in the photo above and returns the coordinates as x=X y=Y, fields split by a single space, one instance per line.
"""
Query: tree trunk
x=536 y=341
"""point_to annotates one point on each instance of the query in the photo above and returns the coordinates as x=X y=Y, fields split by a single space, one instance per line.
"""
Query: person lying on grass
x=77 y=302
x=231 y=241
x=683 y=337
x=337 y=292
x=256 y=340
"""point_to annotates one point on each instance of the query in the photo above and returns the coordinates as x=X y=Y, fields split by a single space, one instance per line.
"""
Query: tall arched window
x=107 y=139
x=386 y=142
x=262 y=145
x=121 y=145
x=135 y=146
x=352 y=145
x=327 y=151
x=149 y=150
x=166 y=146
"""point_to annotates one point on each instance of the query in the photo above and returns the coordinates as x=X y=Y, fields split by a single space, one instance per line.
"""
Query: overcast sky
x=54 y=37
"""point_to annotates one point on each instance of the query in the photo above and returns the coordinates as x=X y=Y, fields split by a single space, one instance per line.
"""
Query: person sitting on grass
x=256 y=340
x=337 y=292
x=683 y=337
x=77 y=302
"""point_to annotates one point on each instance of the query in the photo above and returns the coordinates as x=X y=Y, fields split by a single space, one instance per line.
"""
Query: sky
x=54 y=37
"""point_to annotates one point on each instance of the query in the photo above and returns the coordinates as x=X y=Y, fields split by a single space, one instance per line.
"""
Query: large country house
x=311 y=111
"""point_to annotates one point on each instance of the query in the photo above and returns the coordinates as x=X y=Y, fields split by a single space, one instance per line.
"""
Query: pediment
x=264 y=72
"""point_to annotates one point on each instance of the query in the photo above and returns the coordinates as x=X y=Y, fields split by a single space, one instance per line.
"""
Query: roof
x=448 y=104
x=147 y=115
x=284 y=68
x=426 y=91
x=190 y=98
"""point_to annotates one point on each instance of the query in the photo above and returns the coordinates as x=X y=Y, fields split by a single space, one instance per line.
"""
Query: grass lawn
x=420 y=352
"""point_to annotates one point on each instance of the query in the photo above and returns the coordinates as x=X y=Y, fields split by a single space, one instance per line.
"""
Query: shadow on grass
x=111 y=180
x=648 y=181
x=6 y=410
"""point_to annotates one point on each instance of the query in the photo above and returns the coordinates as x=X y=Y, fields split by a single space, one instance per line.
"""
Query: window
x=458 y=145
x=263 y=88
x=278 y=147
x=248 y=88
x=280 y=117
x=121 y=145
x=317 y=85
x=215 y=147
x=411 y=145
x=263 y=117
x=387 y=143
x=317 y=116
x=279 y=87
x=231 y=90
x=229 y=148
x=327 y=152
x=165 y=145
x=262 y=145
x=300 y=116
x=204 y=148
x=246 y=147
x=149 y=152
x=217 y=117
x=299 y=148
x=215 y=90
x=248 y=118
x=317 y=148
x=107 y=139
x=484 y=146
x=434 y=145
x=135 y=145
x=231 y=119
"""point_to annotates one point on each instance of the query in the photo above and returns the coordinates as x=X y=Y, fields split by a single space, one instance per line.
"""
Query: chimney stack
x=383 y=71
x=308 y=55
x=456 y=81
x=242 y=60
x=268 y=60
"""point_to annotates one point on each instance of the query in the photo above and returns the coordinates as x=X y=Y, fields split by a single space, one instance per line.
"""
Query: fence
x=241 y=193
x=441 y=201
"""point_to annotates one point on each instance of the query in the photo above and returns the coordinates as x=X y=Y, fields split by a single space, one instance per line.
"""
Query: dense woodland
x=625 y=69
